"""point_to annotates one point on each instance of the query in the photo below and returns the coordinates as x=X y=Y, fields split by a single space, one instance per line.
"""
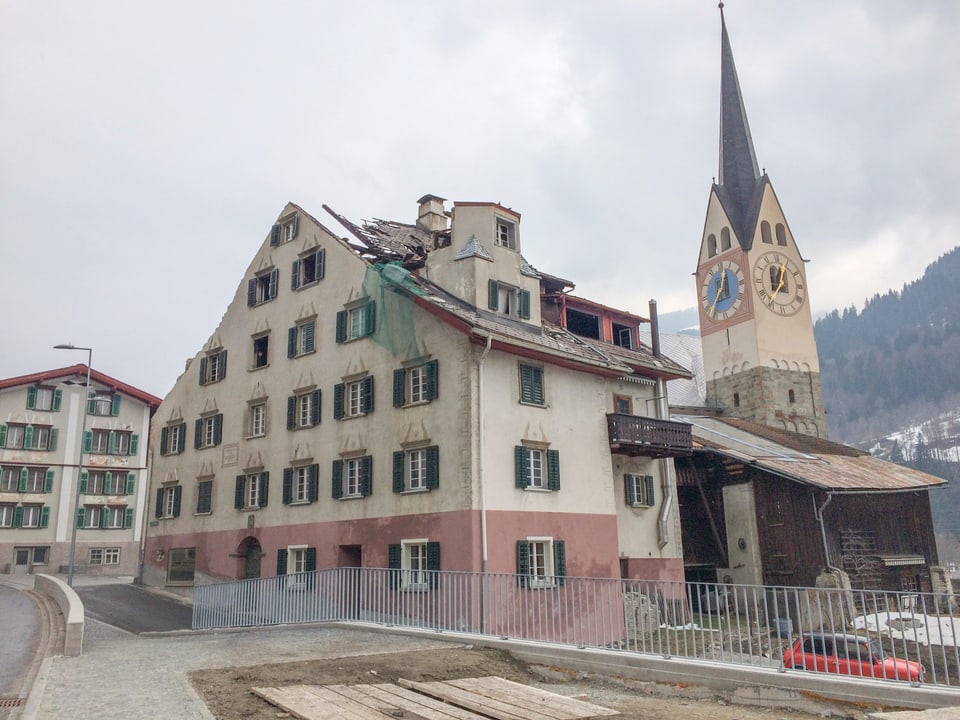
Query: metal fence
x=733 y=624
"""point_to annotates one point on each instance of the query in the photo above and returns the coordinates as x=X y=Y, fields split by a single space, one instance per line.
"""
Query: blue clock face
x=722 y=290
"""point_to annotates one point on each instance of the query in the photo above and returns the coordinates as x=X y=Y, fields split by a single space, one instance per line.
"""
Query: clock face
x=779 y=283
x=722 y=290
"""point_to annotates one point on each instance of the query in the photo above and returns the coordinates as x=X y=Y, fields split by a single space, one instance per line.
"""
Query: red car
x=843 y=654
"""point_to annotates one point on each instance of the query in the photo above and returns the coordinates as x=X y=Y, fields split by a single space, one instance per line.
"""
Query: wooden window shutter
x=399 y=387
x=128 y=518
x=264 y=488
x=44 y=516
x=54 y=436
x=366 y=394
x=275 y=235
x=238 y=489
x=203 y=370
x=28 y=437
x=158 y=510
x=321 y=262
x=57 y=400
x=104 y=517
x=31 y=397
x=493 y=291
x=433 y=384
x=629 y=490
x=88 y=441
x=553 y=469
x=177 y=495
x=313 y=483
x=292 y=342
x=274 y=280
x=115 y=400
x=398 y=458
x=48 y=481
x=295 y=275
x=217 y=428
x=433 y=467
x=315 y=407
x=84 y=481
x=525 y=304
x=112 y=443
x=108 y=483
x=523 y=563
x=131 y=483
x=80 y=514
x=251 y=292
x=369 y=318
x=24 y=477
x=310 y=559
x=282 y=561
x=287 y=486
x=291 y=412
x=366 y=475
x=337 y=480
x=559 y=561
x=648 y=486
x=3 y=436
x=338 y=401
x=164 y=436
x=18 y=516
x=134 y=443
x=394 y=560
x=182 y=441
x=521 y=462
x=433 y=563
x=308 y=336
x=342 y=326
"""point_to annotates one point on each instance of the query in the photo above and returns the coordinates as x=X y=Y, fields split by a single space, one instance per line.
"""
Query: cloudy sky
x=147 y=147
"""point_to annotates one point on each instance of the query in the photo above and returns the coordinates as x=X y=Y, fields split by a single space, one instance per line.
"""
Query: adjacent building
x=47 y=420
x=415 y=396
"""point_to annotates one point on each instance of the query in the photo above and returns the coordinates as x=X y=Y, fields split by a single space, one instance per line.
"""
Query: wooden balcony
x=634 y=435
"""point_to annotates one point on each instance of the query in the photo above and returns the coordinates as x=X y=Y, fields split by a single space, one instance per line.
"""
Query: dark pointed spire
x=739 y=172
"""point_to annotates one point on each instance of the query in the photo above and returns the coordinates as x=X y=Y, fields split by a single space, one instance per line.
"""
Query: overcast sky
x=147 y=147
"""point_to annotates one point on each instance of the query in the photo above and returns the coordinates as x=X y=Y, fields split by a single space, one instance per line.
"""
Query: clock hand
x=720 y=286
x=783 y=278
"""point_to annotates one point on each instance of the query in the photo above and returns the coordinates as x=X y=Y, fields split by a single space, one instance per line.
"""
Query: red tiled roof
x=80 y=370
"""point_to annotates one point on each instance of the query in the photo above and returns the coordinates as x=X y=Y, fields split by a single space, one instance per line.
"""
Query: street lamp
x=83 y=431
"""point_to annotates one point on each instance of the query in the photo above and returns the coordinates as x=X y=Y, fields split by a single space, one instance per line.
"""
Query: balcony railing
x=636 y=435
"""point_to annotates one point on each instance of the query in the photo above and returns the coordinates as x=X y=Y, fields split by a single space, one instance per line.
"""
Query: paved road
x=131 y=608
x=20 y=630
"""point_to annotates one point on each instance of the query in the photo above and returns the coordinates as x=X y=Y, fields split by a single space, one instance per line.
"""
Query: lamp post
x=83 y=431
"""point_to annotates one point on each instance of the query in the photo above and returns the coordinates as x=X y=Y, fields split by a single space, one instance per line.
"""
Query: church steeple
x=739 y=175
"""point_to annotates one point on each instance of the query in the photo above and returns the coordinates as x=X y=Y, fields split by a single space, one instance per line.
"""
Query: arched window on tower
x=711 y=245
x=725 y=239
x=765 y=233
x=781 y=234
x=792 y=396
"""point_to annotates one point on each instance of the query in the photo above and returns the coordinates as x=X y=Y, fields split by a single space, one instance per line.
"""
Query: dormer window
x=623 y=336
x=508 y=300
x=506 y=234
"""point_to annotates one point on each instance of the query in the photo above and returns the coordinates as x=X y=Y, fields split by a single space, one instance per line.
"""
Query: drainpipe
x=482 y=483
x=666 y=465
x=818 y=514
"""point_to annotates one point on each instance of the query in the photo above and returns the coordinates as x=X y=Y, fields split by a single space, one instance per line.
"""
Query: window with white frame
x=6 y=514
x=252 y=491
x=506 y=234
x=213 y=367
x=509 y=300
x=303 y=410
x=308 y=268
x=415 y=384
x=300 y=484
x=104 y=404
x=531 y=385
x=121 y=443
x=639 y=490
x=168 y=501
x=353 y=398
x=356 y=322
x=12 y=436
x=30 y=516
x=300 y=339
x=44 y=438
x=352 y=477
x=91 y=516
x=115 y=516
x=208 y=431
x=541 y=562
x=100 y=442
x=297 y=562
x=262 y=287
x=416 y=564
x=43 y=398
x=10 y=478
x=261 y=351
x=536 y=468
x=173 y=439
x=416 y=469
x=36 y=479
x=104 y=556
x=257 y=423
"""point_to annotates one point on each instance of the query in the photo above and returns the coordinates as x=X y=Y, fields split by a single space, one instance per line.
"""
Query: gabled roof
x=812 y=461
x=80 y=372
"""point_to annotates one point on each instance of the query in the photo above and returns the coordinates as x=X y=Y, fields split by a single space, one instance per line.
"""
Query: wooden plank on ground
x=386 y=706
x=523 y=701
x=350 y=708
x=562 y=706
x=302 y=702
x=472 y=701
x=424 y=704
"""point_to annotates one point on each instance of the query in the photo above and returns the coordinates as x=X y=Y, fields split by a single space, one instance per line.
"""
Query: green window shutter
x=313 y=483
x=223 y=364
x=629 y=493
x=128 y=518
x=217 y=428
x=238 y=492
x=309 y=335
x=433 y=382
x=131 y=483
x=315 y=407
x=287 y=486
x=291 y=412
x=115 y=404
x=275 y=238
x=521 y=464
x=158 y=509
x=321 y=262
x=366 y=475
x=198 y=433
x=251 y=301
x=84 y=481
x=523 y=563
x=369 y=318
x=203 y=370
x=525 y=304
x=433 y=563
x=310 y=559
x=134 y=443
x=54 y=436
x=366 y=394
x=559 y=561
x=112 y=443
x=182 y=441
x=81 y=512
x=48 y=481
x=398 y=457
x=648 y=486
x=274 y=280
x=433 y=467
x=87 y=441
x=3 y=436
x=296 y=226
x=338 y=401
x=399 y=387
x=177 y=494
x=108 y=483
x=342 y=326
x=44 y=516
x=553 y=469
x=18 y=516
x=394 y=564
x=295 y=275
x=493 y=290
x=282 y=561
x=264 y=488
x=337 y=480
x=24 y=476
x=31 y=398
x=292 y=342
x=28 y=437
x=164 y=436
x=57 y=399
x=104 y=517
x=91 y=404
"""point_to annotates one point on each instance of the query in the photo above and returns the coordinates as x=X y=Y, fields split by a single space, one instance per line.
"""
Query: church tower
x=759 y=353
